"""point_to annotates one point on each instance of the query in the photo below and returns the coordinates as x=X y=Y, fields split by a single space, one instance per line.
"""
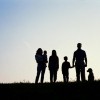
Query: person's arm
x=85 y=59
x=70 y=65
x=36 y=58
x=73 y=61
x=46 y=59
x=49 y=62
x=58 y=63
x=62 y=68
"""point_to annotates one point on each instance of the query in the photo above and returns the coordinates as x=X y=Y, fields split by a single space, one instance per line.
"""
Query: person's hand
x=72 y=66
x=85 y=65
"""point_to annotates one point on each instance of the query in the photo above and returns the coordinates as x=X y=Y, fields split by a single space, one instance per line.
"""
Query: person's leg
x=64 y=78
x=55 y=75
x=51 y=76
x=67 y=76
x=42 y=75
x=37 y=76
x=78 y=74
x=83 y=74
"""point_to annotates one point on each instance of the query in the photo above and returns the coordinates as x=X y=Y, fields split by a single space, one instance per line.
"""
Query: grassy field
x=47 y=91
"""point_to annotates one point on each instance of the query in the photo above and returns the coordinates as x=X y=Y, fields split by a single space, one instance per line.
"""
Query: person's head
x=54 y=52
x=65 y=58
x=39 y=51
x=45 y=52
x=79 y=45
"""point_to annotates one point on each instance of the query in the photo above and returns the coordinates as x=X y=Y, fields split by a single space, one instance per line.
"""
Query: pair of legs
x=66 y=76
x=42 y=72
x=53 y=75
x=80 y=73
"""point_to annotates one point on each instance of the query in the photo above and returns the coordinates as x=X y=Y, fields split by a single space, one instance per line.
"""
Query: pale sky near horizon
x=26 y=25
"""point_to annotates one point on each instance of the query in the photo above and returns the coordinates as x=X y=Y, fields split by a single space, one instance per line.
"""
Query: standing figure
x=45 y=61
x=40 y=64
x=80 y=62
x=53 y=66
x=65 y=69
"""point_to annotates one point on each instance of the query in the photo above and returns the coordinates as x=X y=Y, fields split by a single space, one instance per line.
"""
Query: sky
x=26 y=25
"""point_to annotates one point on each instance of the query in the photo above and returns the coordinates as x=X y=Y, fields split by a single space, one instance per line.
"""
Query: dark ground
x=47 y=91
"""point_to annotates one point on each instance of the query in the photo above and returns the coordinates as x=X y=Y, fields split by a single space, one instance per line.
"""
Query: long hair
x=54 y=53
x=39 y=51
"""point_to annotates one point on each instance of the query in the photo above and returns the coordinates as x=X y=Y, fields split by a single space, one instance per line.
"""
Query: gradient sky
x=26 y=25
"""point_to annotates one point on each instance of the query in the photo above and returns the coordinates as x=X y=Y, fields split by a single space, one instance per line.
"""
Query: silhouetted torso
x=79 y=56
x=65 y=67
x=53 y=62
x=39 y=60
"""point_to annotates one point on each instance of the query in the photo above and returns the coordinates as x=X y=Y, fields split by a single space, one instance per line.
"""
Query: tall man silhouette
x=80 y=62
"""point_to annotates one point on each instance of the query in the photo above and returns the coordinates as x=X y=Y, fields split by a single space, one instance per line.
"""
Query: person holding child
x=41 y=59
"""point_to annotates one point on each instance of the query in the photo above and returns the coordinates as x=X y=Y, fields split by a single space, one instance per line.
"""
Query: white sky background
x=26 y=25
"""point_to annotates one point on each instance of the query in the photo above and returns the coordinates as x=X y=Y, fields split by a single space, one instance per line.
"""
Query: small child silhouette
x=45 y=57
x=90 y=75
x=65 y=69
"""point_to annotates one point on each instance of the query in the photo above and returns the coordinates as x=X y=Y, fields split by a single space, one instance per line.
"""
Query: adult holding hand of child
x=79 y=62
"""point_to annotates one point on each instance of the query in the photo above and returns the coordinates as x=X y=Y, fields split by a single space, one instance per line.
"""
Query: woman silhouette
x=40 y=64
x=53 y=66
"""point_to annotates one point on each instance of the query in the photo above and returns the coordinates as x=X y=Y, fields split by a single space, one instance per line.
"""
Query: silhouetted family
x=79 y=61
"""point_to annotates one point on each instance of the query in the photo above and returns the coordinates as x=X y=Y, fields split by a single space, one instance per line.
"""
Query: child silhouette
x=65 y=69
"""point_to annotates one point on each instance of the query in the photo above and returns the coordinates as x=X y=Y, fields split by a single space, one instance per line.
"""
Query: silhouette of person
x=53 y=66
x=65 y=69
x=80 y=62
x=40 y=65
x=45 y=61
x=90 y=75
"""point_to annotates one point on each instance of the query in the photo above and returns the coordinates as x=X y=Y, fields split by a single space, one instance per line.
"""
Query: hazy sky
x=26 y=25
